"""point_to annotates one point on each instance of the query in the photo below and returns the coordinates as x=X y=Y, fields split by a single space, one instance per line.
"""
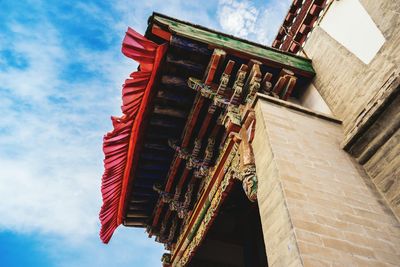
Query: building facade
x=236 y=154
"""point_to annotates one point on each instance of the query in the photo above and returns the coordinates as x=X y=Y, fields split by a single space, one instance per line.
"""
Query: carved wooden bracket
x=186 y=203
x=180 y=152
x=284 y=86
x=250 y=182
x=164 y=196
x=192 y=162
x=161 y=238
x=166 y=259
x=209 y=151
x=172 y=231
x=175 y=204
x=238 y=85
x=180 y=207
x=246 y=171
x=252 y=84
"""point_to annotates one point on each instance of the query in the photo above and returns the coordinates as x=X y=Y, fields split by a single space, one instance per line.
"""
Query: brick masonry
x=317 y=205
x=347 y=84
x=343 y=80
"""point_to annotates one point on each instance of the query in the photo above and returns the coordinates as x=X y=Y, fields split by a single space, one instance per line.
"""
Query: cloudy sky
x=61 y=72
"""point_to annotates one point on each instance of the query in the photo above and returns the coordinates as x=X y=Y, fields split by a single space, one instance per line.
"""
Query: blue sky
x=61 y=72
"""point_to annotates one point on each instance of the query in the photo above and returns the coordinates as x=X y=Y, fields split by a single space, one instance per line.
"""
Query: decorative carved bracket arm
x=246 y=171
x=252 y=84
x=238 y=85
x=250 y=182
x=164 y=196
x=166 y=259
x=172 y=232
x=181 y=207
x=181 y=152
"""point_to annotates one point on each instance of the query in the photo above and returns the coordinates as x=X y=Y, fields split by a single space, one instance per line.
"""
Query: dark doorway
x=235 y=239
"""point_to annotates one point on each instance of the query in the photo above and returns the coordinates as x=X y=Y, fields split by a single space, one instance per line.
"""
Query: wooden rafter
x=216 y=59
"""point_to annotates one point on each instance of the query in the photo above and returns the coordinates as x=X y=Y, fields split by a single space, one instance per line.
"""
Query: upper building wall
x=354 y=47
x=350 y=24
x=346 y=82
x=360 y=83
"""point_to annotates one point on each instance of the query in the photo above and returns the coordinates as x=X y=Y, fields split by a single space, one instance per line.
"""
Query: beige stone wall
x=384 y=168
x=279 y=236
x=343 y=80
x=347 y=84
x=317 y=205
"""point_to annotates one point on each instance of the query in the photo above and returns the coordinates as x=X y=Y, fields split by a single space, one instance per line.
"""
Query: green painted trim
x=199 y=220
x=225 y=41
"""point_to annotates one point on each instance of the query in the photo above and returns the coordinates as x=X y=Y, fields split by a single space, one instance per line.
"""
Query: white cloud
x=51 y=138
x=51 y=126
x=129 y=247
x=51 y=159
x=136 y=13
x=51 y=132
x=43 y=52
x=238 y=17
x=258 y=22
x=271 y=19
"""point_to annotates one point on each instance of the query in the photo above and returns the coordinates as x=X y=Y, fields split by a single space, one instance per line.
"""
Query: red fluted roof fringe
x=119 y=145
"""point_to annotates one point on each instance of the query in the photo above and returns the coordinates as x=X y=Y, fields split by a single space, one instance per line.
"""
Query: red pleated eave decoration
x=118 y=145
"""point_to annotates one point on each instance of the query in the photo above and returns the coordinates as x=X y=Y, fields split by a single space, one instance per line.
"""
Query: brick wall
x=347 y=84
x=343 y=80
x=317 y=205
x=279 y=236
x=384 y=168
